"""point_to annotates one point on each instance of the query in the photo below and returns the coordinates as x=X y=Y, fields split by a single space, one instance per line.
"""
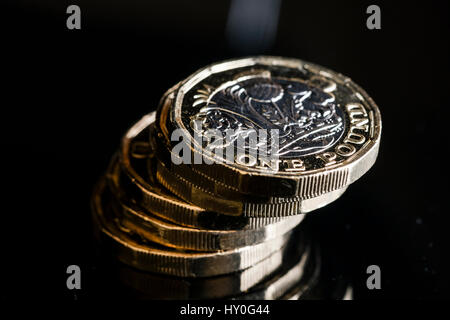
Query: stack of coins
x=206 y=197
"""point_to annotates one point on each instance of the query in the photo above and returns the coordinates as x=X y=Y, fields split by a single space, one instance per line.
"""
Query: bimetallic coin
x=168 y=234
x=132 y=250
x=146 y=193
x=326 y=128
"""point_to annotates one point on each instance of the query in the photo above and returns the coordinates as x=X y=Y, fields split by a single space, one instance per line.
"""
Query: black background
x=69 y=95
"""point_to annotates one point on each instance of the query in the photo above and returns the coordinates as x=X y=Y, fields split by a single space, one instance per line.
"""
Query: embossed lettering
x=294 y=165
x=328 y=157
x=268 y=164
x=359 y=121
x=345 y=150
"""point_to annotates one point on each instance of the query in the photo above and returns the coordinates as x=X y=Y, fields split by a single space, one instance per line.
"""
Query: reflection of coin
x=132 y=250
x=153 y=286
x=329 y=128
x=301 y=272
x=168 y=234
x=141 y=188
x=304 y=288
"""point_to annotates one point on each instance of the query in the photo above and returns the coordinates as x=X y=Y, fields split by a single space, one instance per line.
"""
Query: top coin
x=272 y=126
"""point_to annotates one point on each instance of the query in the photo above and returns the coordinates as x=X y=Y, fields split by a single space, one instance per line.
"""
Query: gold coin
x=144 y=255
x=328 y=129
x=145 y=192
x=168 y=234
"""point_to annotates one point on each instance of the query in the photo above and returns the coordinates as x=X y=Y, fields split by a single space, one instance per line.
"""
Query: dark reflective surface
x=305 y=274
x=69 y=96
